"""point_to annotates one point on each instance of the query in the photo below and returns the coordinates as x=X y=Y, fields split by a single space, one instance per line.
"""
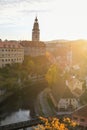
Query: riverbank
x=5 y=96
x=23 y=100
x=44 y=105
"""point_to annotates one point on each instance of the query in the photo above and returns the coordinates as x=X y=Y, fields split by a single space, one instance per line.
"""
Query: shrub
x=53 y=123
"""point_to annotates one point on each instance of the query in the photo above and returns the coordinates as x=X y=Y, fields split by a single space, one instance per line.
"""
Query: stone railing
x=22 y=125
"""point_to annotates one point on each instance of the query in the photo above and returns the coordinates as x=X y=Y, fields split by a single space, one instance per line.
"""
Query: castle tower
x=35 y=31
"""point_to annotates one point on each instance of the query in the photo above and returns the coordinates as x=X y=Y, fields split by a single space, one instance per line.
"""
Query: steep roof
x=77 y=91
x=59 y=89
x=67 y=93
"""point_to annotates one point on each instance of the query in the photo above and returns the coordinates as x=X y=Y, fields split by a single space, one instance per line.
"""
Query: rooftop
x=81 y=111
x=32 y=44
x=10 y=44
x=67 y=93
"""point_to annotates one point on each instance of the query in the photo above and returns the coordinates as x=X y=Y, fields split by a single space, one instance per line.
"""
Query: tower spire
x=35 y=31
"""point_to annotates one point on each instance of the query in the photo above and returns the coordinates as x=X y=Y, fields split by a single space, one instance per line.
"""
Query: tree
x=53 y=75
x=55 y=124
x=11 y=84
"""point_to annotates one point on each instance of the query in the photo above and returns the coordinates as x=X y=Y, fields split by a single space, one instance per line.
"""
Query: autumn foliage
x=52 y=123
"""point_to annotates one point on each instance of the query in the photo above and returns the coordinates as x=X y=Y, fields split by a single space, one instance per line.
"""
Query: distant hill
x=57 y=41
x=66 y=41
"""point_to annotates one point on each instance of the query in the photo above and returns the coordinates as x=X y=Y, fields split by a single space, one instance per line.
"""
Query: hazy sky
x=58 y=19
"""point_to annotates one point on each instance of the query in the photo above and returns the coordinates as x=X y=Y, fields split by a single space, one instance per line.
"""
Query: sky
x=58 y=19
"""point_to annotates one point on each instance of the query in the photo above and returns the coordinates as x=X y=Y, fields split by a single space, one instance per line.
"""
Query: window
x=67 y=100
x=75 y=118
x=82 y=120
x=4 y=45
x=73 y=100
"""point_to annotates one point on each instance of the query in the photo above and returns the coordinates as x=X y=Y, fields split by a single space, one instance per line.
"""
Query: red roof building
x=33 y=48
x=80 y=116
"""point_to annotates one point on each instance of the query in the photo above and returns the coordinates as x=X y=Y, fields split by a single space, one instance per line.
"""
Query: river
x=20 y=115
x=20 y=106
x=15 y=109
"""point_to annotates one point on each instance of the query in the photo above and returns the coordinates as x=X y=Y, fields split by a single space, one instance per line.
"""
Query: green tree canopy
x=53 y=75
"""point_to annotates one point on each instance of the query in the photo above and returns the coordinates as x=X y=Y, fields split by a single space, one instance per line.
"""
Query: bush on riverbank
x=16 y=76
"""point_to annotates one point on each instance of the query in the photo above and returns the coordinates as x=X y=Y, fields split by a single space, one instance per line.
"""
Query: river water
x=15 y=109
x=20 y=106
x=20 y=115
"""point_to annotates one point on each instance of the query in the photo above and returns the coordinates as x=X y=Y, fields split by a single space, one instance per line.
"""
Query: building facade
x=80 y=116
x=33 y=48
x=76 y=86
x=62 y=52
x=11 y=52
x=67 y=102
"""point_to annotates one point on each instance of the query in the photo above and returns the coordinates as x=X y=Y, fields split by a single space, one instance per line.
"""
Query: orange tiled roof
x=10 y=44
x=32 y=44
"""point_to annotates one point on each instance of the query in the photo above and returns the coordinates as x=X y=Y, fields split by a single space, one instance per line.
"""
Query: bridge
x=21 y=125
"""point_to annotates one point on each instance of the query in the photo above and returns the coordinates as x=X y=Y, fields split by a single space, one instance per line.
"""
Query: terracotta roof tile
x=32 y=44
x=10 y=44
